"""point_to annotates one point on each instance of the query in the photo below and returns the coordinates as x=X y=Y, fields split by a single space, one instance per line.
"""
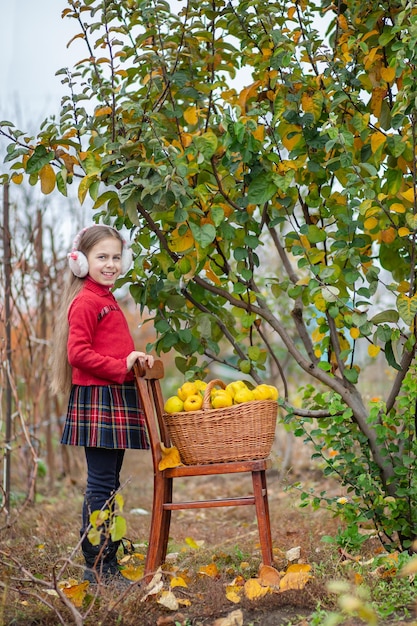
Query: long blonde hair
x=61 y=371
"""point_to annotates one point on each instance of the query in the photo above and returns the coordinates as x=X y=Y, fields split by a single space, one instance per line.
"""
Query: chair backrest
x=150 y=394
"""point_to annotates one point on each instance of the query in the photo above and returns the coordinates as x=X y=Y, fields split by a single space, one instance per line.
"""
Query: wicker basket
x=237 y=433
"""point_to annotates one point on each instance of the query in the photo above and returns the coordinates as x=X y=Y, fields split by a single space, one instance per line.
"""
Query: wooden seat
x=148 y=384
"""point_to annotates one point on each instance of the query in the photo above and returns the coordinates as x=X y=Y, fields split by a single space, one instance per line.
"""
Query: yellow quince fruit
x=193 y=402
x=200 y=384
x=274 y=392
x=174 y=404
x=186 y=390
x=243 y=395
x=262 y=392
x=221 y=399
x=233 y=387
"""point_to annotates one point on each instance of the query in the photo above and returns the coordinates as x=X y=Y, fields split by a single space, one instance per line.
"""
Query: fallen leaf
x=170 y=457
x=209 y=570
x=254 y=590
x=177 y=581
x=192 y=543
x=233 y=593
x=76 y=593
x=269 y=576
x=235 y=618
x=168 y=600
x=295 y=577
x=154 y=586
x=133 y=571
x=293 y=554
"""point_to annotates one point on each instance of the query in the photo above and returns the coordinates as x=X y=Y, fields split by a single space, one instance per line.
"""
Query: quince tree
x=262 y=153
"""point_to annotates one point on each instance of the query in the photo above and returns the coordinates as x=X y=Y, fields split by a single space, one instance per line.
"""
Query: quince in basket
x=193 y=402
x=174 y=404
x=220 y=399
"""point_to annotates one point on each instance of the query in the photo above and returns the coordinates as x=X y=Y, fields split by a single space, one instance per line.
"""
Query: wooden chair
x=148 y=385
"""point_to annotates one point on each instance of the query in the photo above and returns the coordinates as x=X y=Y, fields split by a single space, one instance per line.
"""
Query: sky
x=33 y=46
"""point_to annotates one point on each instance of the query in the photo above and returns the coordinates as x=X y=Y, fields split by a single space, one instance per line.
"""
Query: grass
x=365 y=589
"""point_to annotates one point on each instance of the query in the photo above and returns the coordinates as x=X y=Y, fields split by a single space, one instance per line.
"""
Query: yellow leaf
x=132 y=571
x=269 y=576
x=315 y=255
x=192 y=543
x=397 y=207
x=247 y=93
x=292 y=136
x=186 y=139
x=354 y=333
x=191 y=115
x=254 y=590
x=76 y=593
x=403 y=286
x=259 y=133
x=170 y=457
x=370 y=223
x=312 y=103
x=210 y=570
x=373 y=350
x=388 y=74
x=184 y=602
x=118 y=498
x=296 y=577
x=181 y=243
x=403 y=231
x=47 y=176
x=342 y=22
x=388 y=235
x=17 y=178
x=316 y=335
x=177 y=581
x=103 y=111
x=232 y=593
x=409 y=194
x=377 y=140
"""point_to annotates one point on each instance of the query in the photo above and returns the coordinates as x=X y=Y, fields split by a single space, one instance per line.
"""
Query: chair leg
x=166 y=520
x=159 y=529
x=262 y=514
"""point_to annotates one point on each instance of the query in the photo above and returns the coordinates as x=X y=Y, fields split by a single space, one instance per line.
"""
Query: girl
x=93 y=355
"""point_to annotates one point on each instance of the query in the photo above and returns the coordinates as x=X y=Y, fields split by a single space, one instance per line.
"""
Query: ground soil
x=47 y=531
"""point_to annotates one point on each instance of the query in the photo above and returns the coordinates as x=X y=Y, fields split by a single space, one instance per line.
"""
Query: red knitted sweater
x=99 y=338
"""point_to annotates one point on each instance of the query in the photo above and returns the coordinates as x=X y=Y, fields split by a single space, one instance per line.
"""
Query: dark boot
x=101 y=563
x=93 y=561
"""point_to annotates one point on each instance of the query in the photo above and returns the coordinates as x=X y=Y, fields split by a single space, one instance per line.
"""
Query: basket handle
x=208 y=389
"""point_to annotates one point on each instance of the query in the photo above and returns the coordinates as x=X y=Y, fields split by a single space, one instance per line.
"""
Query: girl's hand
x=147 y=359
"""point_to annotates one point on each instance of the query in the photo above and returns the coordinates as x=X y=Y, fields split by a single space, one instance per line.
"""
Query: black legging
x=103 y=479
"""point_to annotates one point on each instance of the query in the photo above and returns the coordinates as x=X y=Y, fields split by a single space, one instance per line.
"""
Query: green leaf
x=261 y=189
x=39 y=158
x=207 y=144
x=351 y=374
x=389 y=355
x=316 y=234
x=204 y=235
x=390 y=315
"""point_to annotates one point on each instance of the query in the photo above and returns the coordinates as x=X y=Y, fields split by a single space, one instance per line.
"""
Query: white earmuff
x=78 y=262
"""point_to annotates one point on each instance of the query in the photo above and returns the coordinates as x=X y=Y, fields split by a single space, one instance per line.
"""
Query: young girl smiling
x=93 y=355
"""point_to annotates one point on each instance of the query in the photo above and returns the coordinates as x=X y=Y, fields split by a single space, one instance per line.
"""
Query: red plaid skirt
x=107 y=416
